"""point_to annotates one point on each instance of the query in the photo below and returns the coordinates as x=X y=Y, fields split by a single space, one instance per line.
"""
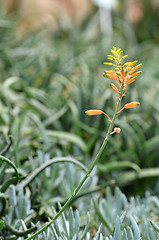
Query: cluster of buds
x=124 y=75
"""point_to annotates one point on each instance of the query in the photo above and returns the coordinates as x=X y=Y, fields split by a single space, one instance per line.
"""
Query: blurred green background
x=51 y=66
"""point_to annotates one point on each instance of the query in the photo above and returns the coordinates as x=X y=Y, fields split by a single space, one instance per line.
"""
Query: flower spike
x=124 y=74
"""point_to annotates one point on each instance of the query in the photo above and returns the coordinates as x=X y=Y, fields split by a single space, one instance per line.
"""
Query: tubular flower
x=97 y=112
x=115 y=89
x=130 y=105
x=124 y=74
x=93 y=112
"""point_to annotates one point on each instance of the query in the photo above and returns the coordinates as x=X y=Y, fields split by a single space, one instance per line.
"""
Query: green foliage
x=127 y=219
x=47 y=83
x=134 y=215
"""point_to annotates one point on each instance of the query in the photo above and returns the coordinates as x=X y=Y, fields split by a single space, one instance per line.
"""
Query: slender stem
x=11 y=164
x=87 y=174
x=120 y=110
x=19 y=233
x=94 y=190
x=107 y=116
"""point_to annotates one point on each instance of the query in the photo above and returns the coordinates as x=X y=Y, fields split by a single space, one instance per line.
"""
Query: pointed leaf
x=117 y=234
x=64 y=222
x=71 y=224
x=155 y=226
x=135 y=228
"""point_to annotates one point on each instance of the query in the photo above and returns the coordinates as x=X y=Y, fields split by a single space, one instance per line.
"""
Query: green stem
x=19 y=233
x=33 y=175
x=94 y=190
x=3 y=203
x=8 y=182
x=11 y=164
x=85 y=177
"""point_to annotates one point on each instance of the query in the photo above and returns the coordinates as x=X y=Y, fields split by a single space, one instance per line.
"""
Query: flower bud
x=125 y=56
x=131 y=105
x=109 y=64
x=93 y=112
x=136 y=74
x=117 y=130
x=131 y=80
x=110 y=75
x=114 y=88
x=129 y=64
x=135 y=68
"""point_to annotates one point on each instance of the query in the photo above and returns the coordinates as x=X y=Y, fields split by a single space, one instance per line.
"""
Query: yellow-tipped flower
x=110 y=75
x=135 y=74
x=114 y=88
x=131 y=105
x=131 y=80
x=129 y=64
x=93 y=112
x=135 y=68
x=97 y=112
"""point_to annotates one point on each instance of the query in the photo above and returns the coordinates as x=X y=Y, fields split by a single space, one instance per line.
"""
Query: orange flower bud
x=131 y=80
x=131 y=105
x=135 y=74
x=124 y=74
x=127 y=68
x=109 y=75
x=114 y=87
x=135 y=68
x=117 y=130
x=93 y=112
x=97 y=112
